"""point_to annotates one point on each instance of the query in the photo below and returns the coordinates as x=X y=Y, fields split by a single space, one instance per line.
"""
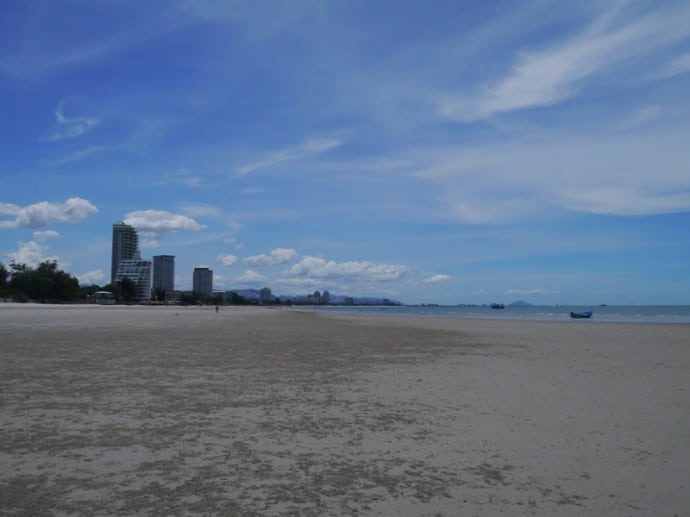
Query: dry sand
x=119 y=410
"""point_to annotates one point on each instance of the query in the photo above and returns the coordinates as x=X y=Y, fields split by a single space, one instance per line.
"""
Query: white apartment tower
x=139 y=271
x=125 y=245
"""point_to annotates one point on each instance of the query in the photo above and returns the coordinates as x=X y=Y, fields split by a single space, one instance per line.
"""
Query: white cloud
x=317 y=267
x=91 y=277
x=309 y=148
x=535 y=291
x=625 y=200
x=44 y=213
x=251 y=277
x=678 y=66
x=84 y=153
x=71 y=127
x=227 y=260
x=45 y=235
x=30 y=253
x=149 y=241
x=276 y=257
x=160 y=221
x=549 y=76
x=604 y=172
x=437 y=278
x=641 y=116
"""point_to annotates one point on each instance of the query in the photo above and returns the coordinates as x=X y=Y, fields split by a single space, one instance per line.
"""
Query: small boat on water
x=497 y=306
x=580 y=315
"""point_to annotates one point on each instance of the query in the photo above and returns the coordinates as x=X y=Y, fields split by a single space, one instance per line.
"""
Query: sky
x=455 y=151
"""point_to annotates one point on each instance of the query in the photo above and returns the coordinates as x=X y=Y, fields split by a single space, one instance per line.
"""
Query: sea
x=609 y=313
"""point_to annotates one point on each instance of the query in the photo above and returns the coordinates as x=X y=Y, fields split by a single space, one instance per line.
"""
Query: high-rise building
x=139 y=272
x=164 y=272
x=125 y=245
x=202 y=281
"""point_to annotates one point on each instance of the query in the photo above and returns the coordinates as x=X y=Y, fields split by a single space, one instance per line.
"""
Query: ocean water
x=609 y=313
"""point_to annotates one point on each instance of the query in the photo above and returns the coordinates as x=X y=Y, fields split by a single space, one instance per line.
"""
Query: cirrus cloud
x=71 y=127
x=553 y=74
x=304 y=150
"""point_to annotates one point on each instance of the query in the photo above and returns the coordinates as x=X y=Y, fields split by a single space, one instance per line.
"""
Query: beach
x=257 y=411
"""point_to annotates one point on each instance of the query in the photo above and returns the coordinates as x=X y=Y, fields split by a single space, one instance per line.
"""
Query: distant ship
x=497 y=306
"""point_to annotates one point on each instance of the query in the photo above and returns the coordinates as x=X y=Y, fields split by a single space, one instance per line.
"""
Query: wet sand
x=131 y=410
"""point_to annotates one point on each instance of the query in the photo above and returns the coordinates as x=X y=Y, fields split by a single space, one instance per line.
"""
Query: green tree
x=159 y=294
x=86 y=291
x=44 y=283
x=128 y=289
x=5 y=290
x=187 y=299
x=4 y=275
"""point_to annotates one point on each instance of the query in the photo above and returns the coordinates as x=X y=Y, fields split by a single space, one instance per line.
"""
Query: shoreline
x=276 y=412
x=392 y=312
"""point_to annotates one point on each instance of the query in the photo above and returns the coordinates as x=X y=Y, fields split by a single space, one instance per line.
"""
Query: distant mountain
x=250 y=294
x=339 y=299
x=334 y=299
x=519 y=303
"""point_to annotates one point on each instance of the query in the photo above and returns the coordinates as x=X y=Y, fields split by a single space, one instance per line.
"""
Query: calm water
x=612 y=313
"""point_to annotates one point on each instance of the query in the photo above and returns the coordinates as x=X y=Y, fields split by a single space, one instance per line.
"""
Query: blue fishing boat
x=579 y=315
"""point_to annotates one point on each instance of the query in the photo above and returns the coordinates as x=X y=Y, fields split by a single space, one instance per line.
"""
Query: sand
x=133 y=410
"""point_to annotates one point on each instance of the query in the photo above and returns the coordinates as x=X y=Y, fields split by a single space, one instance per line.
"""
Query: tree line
x=46 y=283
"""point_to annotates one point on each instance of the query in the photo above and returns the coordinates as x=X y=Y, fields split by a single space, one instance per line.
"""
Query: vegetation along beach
x=256 y=411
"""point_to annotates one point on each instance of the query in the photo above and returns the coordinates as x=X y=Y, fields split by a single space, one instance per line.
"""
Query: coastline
x=272 y=412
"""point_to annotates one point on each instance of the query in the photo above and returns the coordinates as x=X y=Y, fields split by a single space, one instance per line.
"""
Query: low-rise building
x=139 y=272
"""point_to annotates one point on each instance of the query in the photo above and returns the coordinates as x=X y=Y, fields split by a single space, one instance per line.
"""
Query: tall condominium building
x=202 y=281
x=125 y=245
x=138 y=271
x=164 y=272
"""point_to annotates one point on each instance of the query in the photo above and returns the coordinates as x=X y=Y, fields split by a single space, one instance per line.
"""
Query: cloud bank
x=320 y=268
x=274 y=258
x=160 y=221
x=73 y=210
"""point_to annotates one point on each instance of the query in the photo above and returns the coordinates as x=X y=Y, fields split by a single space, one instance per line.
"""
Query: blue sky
x=447 y=152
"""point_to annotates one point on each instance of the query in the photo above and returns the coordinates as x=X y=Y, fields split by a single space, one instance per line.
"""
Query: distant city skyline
x=446 y=152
